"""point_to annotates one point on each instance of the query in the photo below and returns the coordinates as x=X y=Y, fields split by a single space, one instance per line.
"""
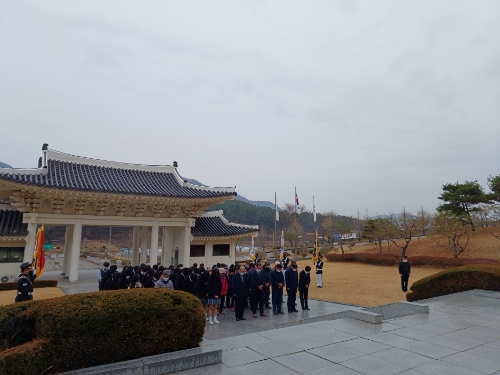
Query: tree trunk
x=341 y=247
x=380 y=246
x=403 y=250
x=454 y=248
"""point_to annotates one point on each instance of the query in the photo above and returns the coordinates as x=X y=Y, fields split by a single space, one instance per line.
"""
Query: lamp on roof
x=45 y=147
x=175 y=164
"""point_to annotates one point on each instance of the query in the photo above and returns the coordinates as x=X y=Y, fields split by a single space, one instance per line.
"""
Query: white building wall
x=209 y=259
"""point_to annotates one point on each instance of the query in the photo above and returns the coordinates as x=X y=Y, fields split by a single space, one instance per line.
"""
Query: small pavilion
x=74 y=192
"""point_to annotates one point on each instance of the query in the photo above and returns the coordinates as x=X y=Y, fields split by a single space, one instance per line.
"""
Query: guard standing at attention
x=404 y=273
x=319 y=272
x=25 y=283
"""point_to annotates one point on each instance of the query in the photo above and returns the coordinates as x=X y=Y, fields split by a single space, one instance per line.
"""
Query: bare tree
x=294 y=221
x=326 y=224
x=453 y=229
x=424 y=220
x=488 y=218
x=404 y=227
x=344 y=227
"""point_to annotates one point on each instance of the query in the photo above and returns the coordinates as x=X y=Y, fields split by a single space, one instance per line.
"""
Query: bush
x=12 y=285
x=456 y=280
x=393 y=259
x=91 y=329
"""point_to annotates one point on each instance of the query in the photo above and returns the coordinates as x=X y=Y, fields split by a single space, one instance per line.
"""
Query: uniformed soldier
x=319 y=272
x=25 y=283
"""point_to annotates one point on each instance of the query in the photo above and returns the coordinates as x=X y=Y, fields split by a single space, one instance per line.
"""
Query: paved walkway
x=460 y=335
x=229 y=327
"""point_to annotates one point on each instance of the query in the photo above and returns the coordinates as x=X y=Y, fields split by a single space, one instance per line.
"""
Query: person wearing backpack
x=101 y=273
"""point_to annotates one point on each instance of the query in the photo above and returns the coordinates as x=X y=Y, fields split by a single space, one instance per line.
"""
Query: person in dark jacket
x=214 y=288
x=267 y=284
x=202 y=291
x=292 y=283
x=240 y=291
x=257 y=281
x=191 y=283
x=124 y=282
x=149 y=281
x=25 y=283
x=304 y=282
x=404 y=273
x=277 y=281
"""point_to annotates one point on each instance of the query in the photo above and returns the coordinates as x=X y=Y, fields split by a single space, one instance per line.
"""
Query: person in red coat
x=223 y=293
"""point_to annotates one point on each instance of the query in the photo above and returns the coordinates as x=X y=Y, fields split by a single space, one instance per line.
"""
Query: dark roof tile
x=92 y=178
x=11 y=224
x=215 y=226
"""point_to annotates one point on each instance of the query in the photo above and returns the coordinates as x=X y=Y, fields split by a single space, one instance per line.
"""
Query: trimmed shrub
x=456 y=280
x=91 y=329
x=12 y=285
x=393 y=259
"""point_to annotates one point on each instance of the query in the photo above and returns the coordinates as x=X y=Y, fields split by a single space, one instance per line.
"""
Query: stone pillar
x=144 y=244
x=186 y=246
x=68 y=243
x=29 y=249
x=135 y=247
x=75 y=251
x=154 y=244
x=167 y=246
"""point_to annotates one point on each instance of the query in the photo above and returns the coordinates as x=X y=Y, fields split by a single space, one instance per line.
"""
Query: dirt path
x=7 y=297
x=361 y=284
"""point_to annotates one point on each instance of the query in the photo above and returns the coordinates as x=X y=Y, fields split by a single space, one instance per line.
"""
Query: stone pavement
x=460 y=335
x=230 y=327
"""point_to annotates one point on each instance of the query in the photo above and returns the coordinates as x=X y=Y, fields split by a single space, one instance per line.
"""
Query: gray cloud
x=363 y=104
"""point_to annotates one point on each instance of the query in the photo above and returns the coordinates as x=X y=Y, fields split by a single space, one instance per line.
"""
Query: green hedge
x=456 y=280
x=91 y=329
x=12 y=285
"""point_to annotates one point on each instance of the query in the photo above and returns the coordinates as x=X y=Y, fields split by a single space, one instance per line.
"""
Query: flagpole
x=275 y=211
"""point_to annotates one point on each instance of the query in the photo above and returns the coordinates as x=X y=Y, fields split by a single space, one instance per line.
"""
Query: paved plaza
x=460 y=335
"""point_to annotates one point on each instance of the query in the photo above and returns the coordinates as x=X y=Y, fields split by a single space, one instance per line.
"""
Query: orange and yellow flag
x=39 y=255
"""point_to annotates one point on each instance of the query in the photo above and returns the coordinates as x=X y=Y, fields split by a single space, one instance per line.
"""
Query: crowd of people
x=222 y=288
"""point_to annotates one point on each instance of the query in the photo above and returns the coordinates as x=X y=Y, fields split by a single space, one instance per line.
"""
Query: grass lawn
x=7 y=297
x=361 y=284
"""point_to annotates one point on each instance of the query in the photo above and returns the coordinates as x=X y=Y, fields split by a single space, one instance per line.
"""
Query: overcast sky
x=369 y=105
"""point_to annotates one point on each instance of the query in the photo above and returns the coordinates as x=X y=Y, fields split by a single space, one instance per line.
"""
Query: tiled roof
x=218 y=226
x=103 y=179
x=11 y=224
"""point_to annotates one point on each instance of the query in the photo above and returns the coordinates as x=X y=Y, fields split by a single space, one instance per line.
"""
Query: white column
x=144 y=244
x=135 y=246
x=154 y=244
x=29 y=249
x=167 y=244
x=68 y=243
x=186 y=247
x=75 y=251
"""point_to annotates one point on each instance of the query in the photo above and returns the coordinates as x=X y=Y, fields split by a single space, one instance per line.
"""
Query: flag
x=314 y=210
x=296 y=202
x=282 y=244
x=252 y=250
x=39 y=254
x=276 y=209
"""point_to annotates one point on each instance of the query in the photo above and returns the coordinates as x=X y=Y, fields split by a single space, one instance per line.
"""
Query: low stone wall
x=167 y=363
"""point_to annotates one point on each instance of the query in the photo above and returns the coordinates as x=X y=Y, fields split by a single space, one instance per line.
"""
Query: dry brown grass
x=481 y=245
x=7 y=297
x=361 y=284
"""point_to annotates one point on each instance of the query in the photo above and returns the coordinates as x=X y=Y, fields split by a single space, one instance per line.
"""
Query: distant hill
x=238 y=197
x=4 y=165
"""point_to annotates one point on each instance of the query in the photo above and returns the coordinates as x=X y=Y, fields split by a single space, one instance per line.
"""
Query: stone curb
x=167 y=363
